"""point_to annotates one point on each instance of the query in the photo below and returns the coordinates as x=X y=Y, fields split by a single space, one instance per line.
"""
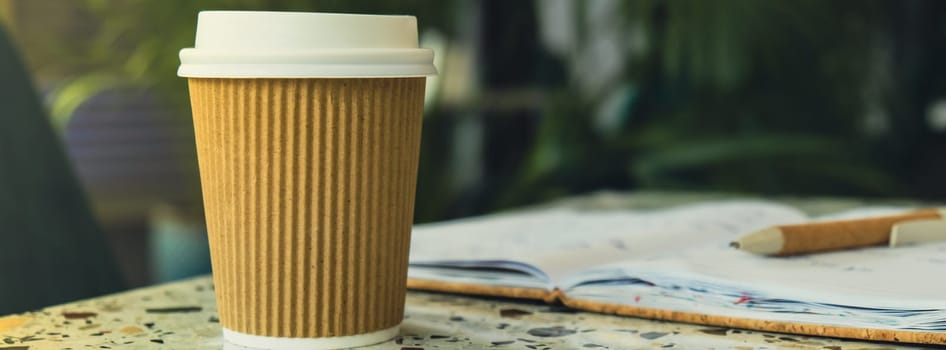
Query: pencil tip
x=734 y=244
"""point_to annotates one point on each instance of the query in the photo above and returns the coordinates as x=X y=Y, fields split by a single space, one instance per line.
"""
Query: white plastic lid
x=256 y=44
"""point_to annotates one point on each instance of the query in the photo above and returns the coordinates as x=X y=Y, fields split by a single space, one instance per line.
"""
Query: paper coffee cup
x=308 y=134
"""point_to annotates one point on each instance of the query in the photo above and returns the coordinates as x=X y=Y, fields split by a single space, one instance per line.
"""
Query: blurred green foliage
x=768 y=97
x=771 y=97
x=758 y=96
x=136 y=43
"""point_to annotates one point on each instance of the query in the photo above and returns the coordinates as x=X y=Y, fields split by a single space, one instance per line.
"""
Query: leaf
x=71 y=95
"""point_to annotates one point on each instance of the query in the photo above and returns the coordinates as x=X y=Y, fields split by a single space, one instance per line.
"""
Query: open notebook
x=675 y=264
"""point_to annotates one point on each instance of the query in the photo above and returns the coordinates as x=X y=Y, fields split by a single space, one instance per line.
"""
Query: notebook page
x=900 y=288
x=621 y=235
x=453 y=251
x=883 y=278
x=558 y=242
x=877 y=287
x=496 y=237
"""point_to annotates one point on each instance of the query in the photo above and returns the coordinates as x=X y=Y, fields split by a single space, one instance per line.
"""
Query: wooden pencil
x=786 y=240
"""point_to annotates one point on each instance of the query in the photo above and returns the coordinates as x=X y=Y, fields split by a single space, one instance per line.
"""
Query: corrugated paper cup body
x=308 y=151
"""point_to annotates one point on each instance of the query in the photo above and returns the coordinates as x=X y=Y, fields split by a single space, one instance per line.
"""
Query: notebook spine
x=885 y=335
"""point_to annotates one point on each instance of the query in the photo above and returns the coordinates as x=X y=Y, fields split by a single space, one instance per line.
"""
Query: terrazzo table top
x=183 y=315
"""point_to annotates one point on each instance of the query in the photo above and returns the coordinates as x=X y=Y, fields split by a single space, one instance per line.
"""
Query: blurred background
x=535 y=100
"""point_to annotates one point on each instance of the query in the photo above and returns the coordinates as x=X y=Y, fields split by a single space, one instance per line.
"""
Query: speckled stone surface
x=183 y=315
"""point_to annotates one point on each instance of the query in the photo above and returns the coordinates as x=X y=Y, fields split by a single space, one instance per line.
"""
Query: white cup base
x=260 y=342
